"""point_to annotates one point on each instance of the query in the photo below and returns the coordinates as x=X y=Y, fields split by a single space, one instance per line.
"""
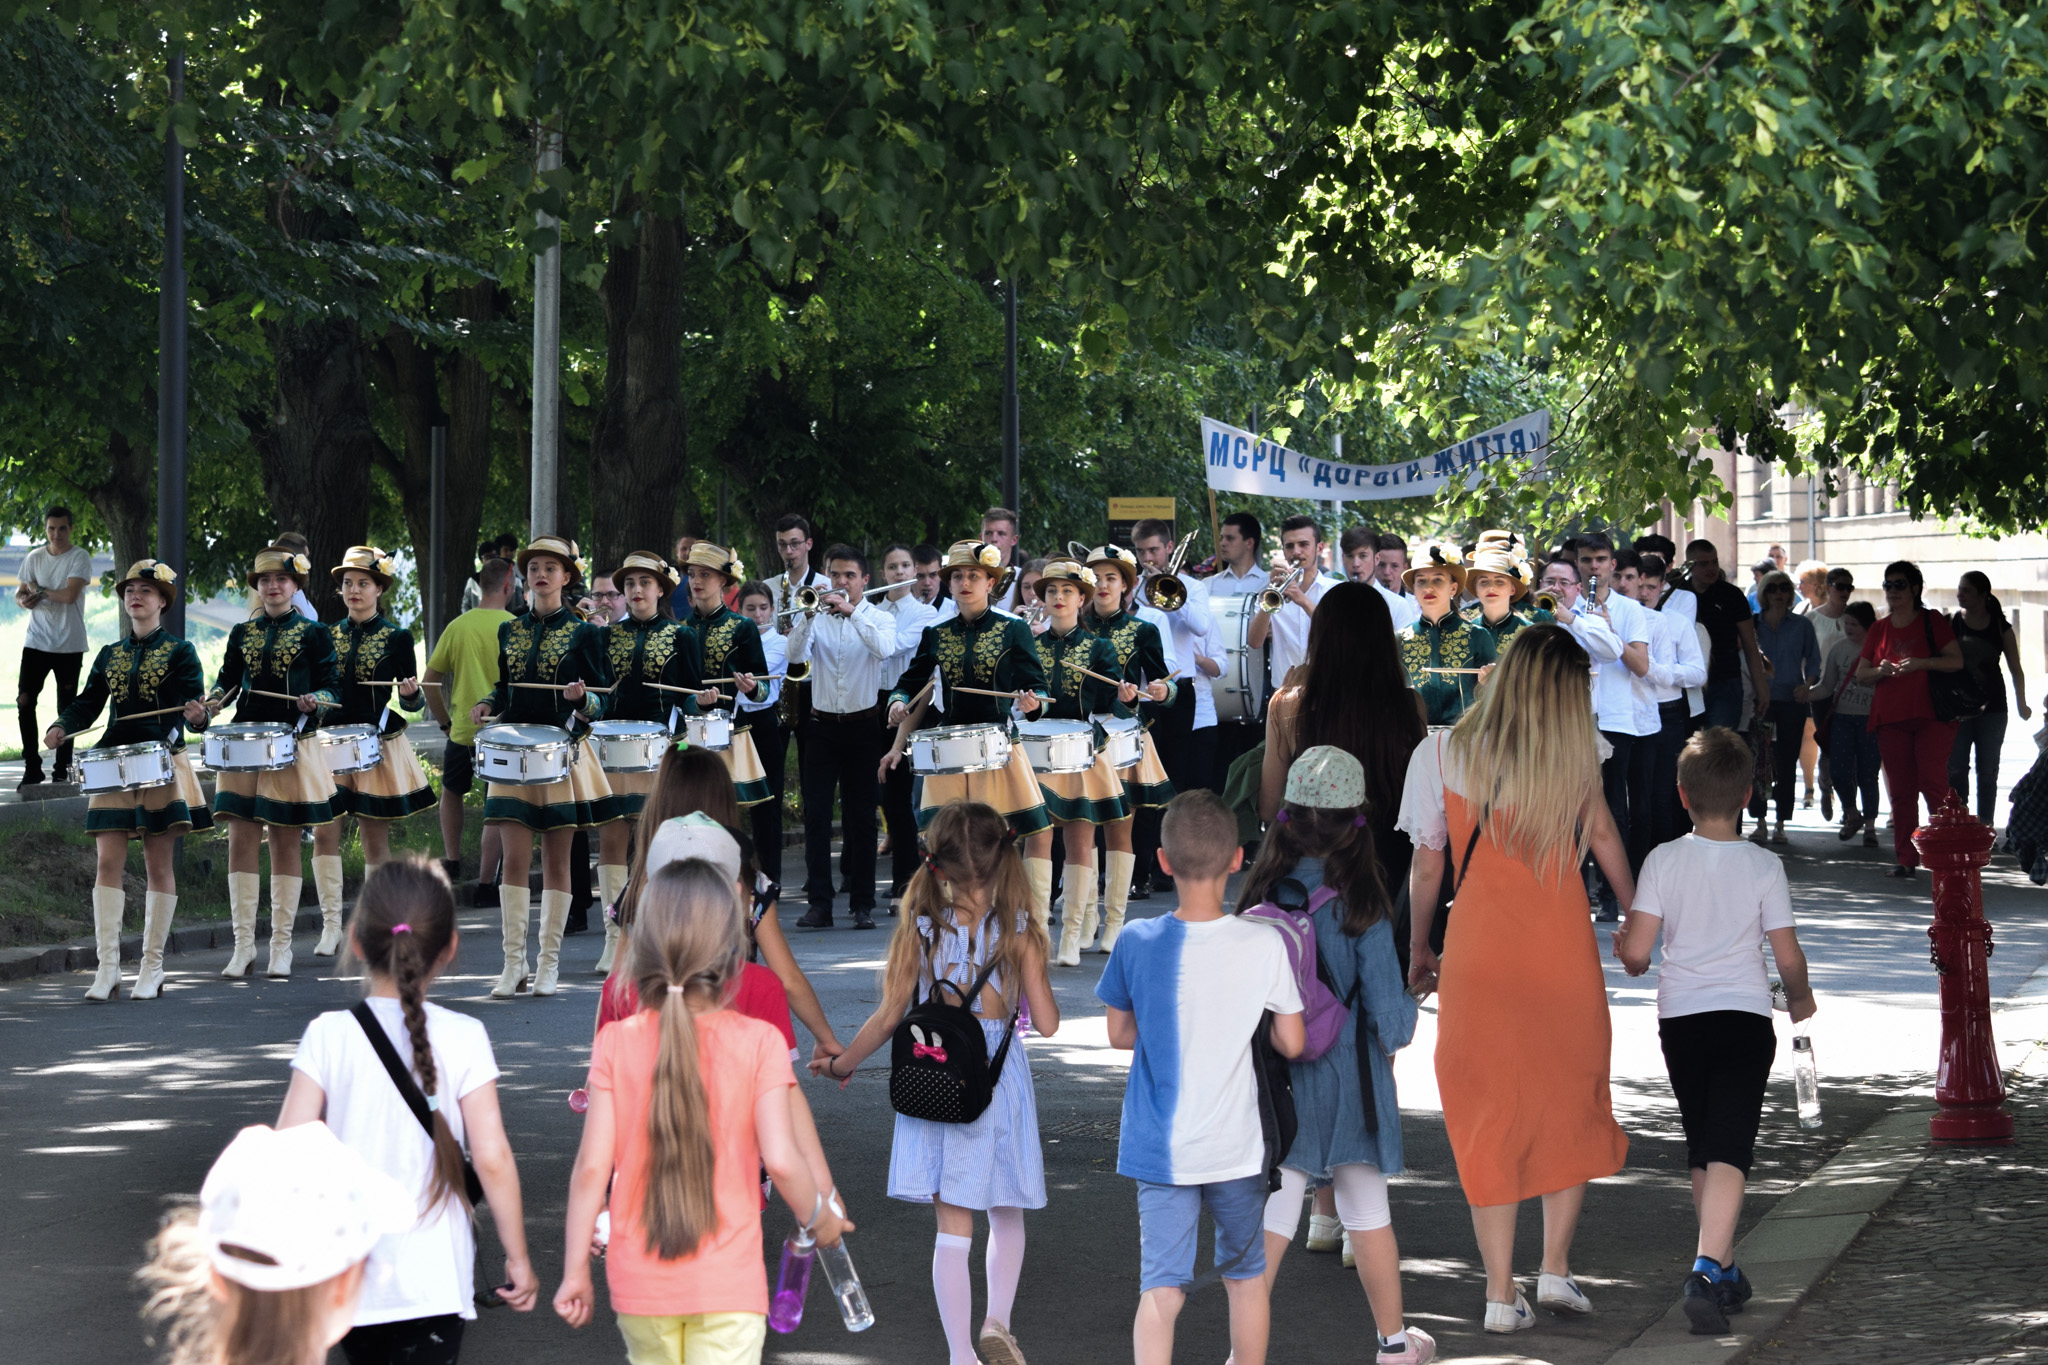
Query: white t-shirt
x=1615 y=697
x=430 y=1270
x=1717 y=901
x=1198 y=989
x=57 y=627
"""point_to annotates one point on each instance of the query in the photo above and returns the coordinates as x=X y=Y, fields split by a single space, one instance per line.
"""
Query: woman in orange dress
x=1507 y=805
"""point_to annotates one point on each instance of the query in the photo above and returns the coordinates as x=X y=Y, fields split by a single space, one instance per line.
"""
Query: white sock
x=1004 y=1261
x=954 y=1289
x=1395 y=1342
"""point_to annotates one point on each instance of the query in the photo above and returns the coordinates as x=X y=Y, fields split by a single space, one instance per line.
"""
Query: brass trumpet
x=1272 y=599
x=1547 y=601
x=1166 y=592
x=810 y=601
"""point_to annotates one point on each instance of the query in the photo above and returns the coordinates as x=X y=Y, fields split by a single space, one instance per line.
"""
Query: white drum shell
x=249 y=748
x=952 y=749
x=524 y=755
x=124 y=768
x=629 y=746
x=1240 y=690
x=1123 y=740
x=351 y=748
x=712 y=730
x=1057 y=746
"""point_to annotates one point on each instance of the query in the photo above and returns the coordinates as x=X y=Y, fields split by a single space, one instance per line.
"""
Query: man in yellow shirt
x=465 y=662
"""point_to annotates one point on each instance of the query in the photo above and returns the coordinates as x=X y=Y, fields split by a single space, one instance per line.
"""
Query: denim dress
x=1327 y=1099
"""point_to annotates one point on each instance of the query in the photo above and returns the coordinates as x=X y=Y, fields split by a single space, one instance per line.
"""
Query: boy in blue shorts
x=1187 y=992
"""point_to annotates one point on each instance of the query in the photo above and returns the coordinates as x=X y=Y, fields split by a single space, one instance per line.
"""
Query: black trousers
x=1665 y=809
x=899 y=816
x=764 y=821
x=839 y=758
x=1625 y=779
x=1720 y=1063
x=1171 y=726
x=37 y=667
x=414 y=1341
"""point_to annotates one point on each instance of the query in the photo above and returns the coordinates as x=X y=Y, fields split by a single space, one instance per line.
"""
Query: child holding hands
x=1714 y=897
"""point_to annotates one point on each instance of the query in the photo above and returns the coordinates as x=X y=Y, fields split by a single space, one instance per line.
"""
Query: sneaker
x=1851 y=822
x=1561 y=1294
x=1509 y=1317
x=863 y=920
x=1761 y=835
x=1734 y=1293
x=1324 y=1232
x=1869 y=837
x=999 y=1346
x=815 y=919
x=1702 y=1303
x=1348 y=1256
x=1421 y=1347
x=1778 y=835
x=1901 y=871
x=1827 y=803
x=32 y=778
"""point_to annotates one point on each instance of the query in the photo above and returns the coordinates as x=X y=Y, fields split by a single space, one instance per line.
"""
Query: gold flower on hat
x=990 y=556
x=301 y=563
x=163 y=573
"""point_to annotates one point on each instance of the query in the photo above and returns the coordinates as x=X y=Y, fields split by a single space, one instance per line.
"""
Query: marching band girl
x=1141 y=653
x=280 y=653
x=548 y=662
x=993 y=651
x=372 y=657
x=151 y=670
x=643 y=647
x=1497 y=572
x=1080 y=802
x=1443 y=651
x=731 y=647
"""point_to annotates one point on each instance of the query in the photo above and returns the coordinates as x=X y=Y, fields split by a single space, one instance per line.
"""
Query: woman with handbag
x=1914 y=659
x=408 y=1098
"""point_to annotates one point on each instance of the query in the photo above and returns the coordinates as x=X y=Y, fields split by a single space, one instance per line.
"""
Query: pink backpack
x=1323 y=1014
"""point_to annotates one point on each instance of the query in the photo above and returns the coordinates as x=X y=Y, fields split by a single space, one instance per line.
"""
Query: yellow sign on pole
x=1126 y=513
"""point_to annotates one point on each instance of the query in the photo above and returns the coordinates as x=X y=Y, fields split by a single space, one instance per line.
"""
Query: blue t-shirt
x=1198 y=989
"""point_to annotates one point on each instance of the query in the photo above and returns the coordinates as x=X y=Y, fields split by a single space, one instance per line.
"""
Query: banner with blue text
x=1239 y=462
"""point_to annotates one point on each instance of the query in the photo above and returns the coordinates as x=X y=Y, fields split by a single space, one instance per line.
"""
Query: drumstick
x=135 y=715
x=562 y=687
x=1452 y=670
x=280 y=696
x=688 y=691
x=982 y=692
x=713 y=682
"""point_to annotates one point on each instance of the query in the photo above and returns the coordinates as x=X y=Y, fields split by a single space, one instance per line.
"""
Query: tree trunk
x=318 y=446
x=639 y=452
x=126 y=502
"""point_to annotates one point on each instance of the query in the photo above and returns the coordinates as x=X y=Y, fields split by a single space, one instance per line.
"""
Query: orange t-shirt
x=741 y=1059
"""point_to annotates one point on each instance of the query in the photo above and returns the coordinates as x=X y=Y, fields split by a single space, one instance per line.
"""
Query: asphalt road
x=107 y=1110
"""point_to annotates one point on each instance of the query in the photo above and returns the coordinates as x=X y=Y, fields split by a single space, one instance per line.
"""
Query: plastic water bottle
x=1805 y=1080
x=852 y=1299
x=786 y=1307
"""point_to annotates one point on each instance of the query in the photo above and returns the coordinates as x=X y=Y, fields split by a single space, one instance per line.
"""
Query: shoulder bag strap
x=409 y=1090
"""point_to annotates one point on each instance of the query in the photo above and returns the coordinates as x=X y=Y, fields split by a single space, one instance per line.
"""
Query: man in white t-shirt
x=53 y=580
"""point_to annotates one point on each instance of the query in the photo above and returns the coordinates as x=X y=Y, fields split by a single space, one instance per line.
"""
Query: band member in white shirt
x=848 y=642
x=999 y=528
x=1390 y=564
x=1300 y=580
x=1185 y=730
x=761 y=714
x=1359 y=549
x=793 y=544
x=1237 y=572
x=913 y=613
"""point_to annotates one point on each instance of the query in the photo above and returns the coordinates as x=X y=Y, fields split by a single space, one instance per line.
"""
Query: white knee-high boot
x=611 y=880
x=107 y=904
x=157 y=908
x=327 y=882
x=554 y=914
x=1116 y=894
x=284 y=910
x=513 y=901
x=1038 y=874
x=1077 y=907
x=245 y=891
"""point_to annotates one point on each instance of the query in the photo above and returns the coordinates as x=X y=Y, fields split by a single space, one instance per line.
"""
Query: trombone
x=809 y=601
x=1272 y=599
x=1165 y=592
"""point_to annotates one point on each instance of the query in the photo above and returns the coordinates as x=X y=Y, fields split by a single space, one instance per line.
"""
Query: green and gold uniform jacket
x=1140 y=654
x=148 y=674
x=370 y=658
x=657 y=650
x=560 y=647
x=729 y=644
x=1452 y=642
x=287 y=654
x=994 y=650
x=1075 y=696
x=1518 y=619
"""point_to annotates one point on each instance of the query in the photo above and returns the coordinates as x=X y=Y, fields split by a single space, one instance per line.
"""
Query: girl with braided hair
x=418 y=1288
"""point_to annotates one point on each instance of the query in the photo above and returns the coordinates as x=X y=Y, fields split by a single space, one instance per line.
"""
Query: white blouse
x=1422 y=816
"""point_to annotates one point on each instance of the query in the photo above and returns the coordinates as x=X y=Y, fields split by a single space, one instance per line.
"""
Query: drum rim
x=614 y=729
x=335 y=734
x=1070 y=727
x=248 y=729
x=565 y=739
x=118 y=750
x=940 y=732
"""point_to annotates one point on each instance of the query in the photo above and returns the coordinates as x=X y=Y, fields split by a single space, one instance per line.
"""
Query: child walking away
x=1714 y=897
x=266 y=1270
x=1187 y=992
x=966 y=919
x=406 y=1098
x=688 y=1101
x=1318 y=869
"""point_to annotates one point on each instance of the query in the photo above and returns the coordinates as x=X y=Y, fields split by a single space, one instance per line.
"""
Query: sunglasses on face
x=1897 y=585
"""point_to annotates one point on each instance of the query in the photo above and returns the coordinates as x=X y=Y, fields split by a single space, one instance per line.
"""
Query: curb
x=82 y=954
x=1796 y=1243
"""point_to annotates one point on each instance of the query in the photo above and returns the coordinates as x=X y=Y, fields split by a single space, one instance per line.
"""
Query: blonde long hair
x=968 y=844
x=685 y=946
x=1527 y=753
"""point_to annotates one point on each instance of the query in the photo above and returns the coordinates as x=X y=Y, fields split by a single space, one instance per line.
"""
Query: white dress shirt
x=767 y=694
x=1176 y=662
x=1403 y=608
x=1192 y=631
x=1615 y=697
x=1290 y=630
x=1675 y=659
x=1225 y=582
x=848 y=656
x=912 y=618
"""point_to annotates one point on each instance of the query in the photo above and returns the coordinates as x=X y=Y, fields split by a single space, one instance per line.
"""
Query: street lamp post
x=172 y=360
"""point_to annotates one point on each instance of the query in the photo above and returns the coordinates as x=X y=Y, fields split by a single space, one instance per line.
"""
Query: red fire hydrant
x=1969 y=1087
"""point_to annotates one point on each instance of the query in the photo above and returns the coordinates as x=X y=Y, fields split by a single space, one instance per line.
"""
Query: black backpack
x=939 y=1067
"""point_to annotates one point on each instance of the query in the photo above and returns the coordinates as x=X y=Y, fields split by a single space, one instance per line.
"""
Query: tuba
x=1166 y=592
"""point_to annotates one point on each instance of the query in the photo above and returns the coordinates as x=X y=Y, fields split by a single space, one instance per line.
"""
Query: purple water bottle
x=786 y=1308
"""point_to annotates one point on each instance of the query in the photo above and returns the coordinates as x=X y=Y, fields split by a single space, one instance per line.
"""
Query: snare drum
x=124 y=768
x=524 y=755
x=247 y=748
x=712 y=730
x=1123 y=740
x=629 y=746
x=1240 y=689
x=959 y=749
x=1057 y=746
x=350 y=748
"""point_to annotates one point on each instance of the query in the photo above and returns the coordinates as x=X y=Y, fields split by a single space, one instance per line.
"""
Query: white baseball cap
x=294 y=1207
x=698 y=836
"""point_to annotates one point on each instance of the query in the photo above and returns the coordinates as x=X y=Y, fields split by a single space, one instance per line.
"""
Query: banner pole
x=1215 y=526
